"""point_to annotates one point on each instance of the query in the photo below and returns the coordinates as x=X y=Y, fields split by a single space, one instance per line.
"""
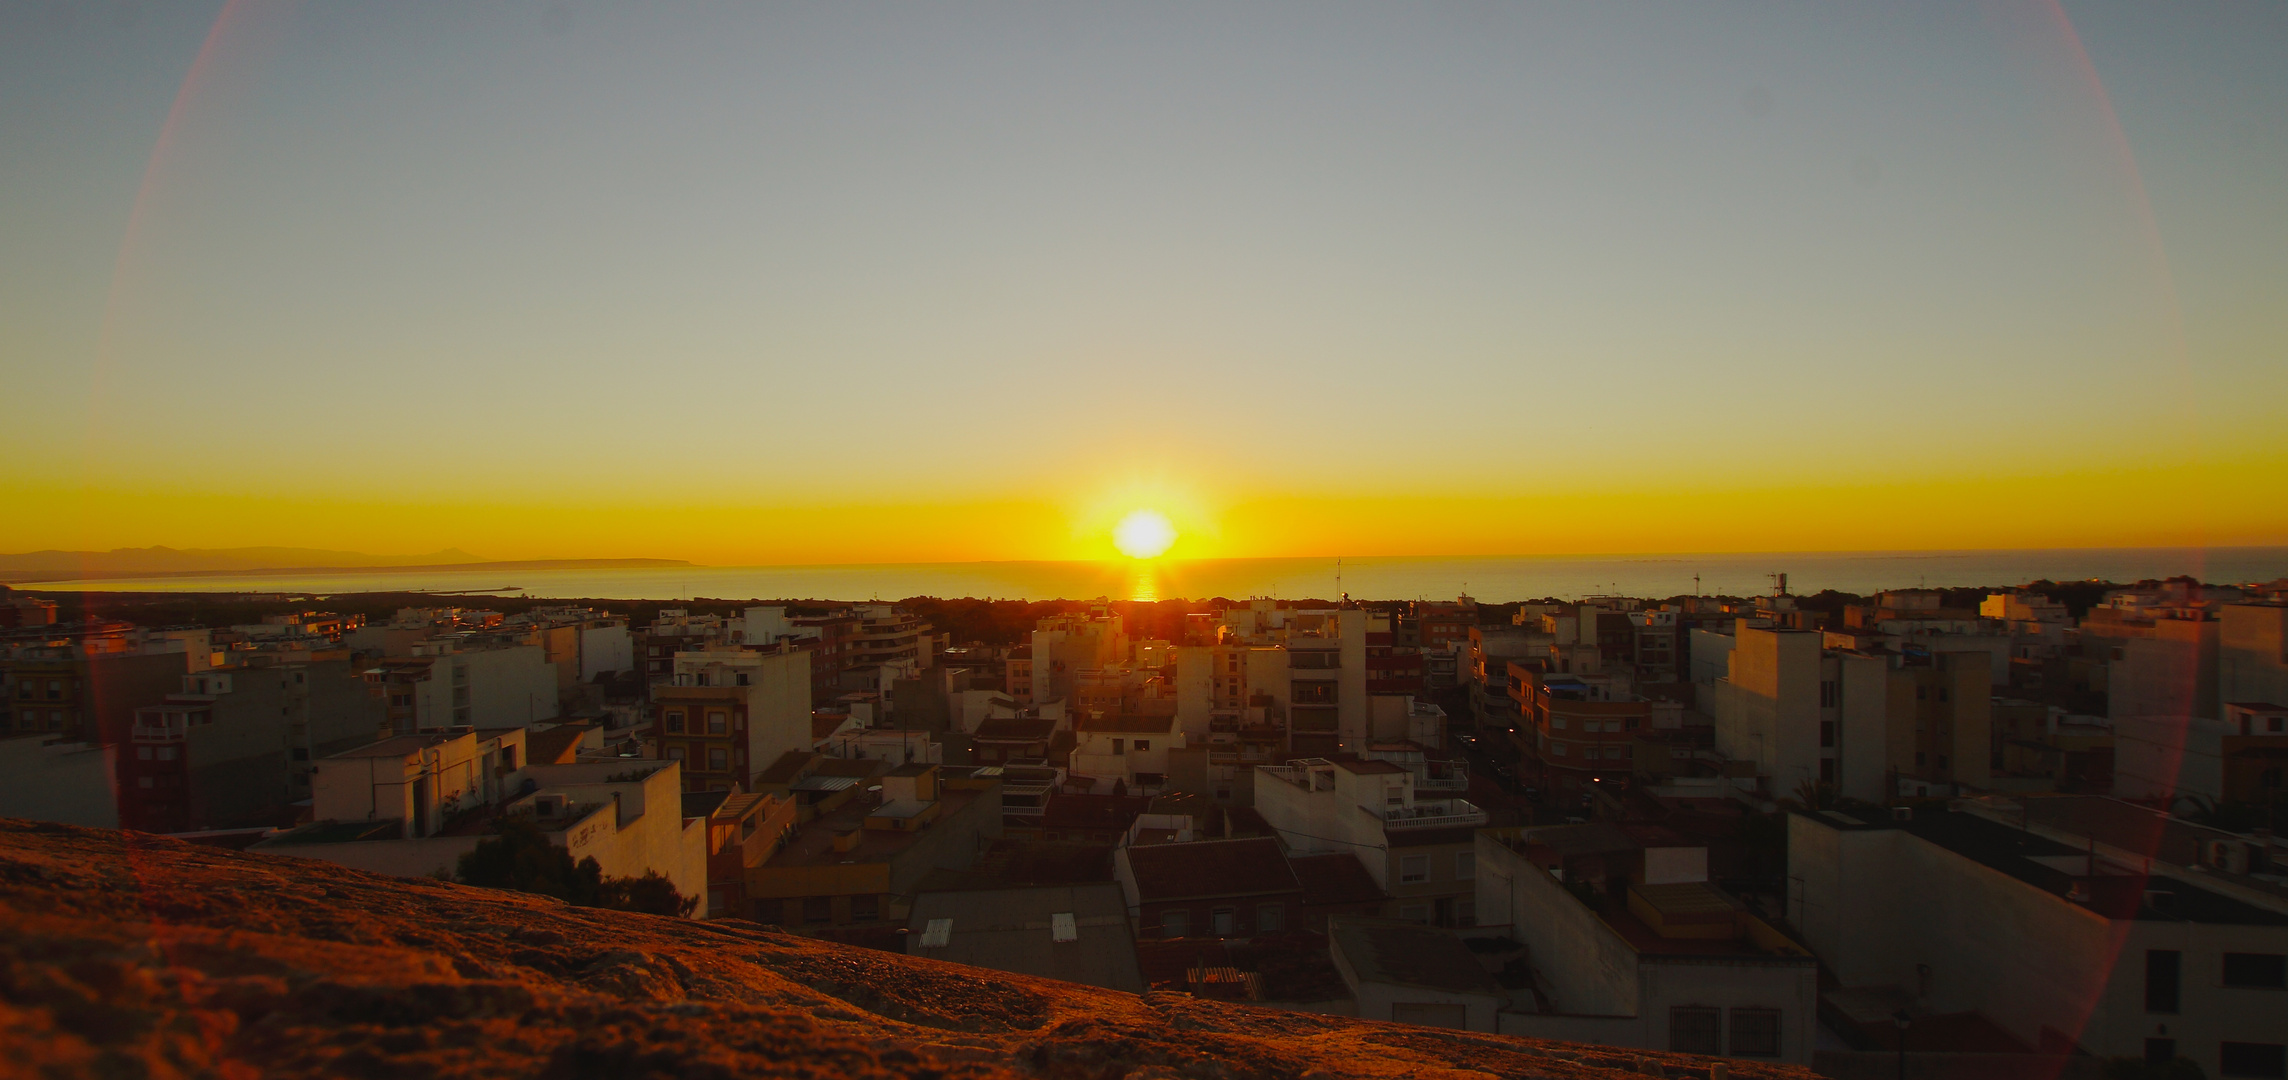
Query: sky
x=776 y=283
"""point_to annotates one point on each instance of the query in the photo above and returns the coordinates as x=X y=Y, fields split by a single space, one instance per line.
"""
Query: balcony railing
x=1429 y=815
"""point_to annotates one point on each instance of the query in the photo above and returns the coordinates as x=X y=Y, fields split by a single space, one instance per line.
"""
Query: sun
x=1143 y=534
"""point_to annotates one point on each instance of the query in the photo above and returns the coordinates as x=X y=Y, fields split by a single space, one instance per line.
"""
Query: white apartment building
x=440 y=686
x=1679 y=966
x=1420 y=851
x=2072 y=919
x=1132 y=749
x=414 y=804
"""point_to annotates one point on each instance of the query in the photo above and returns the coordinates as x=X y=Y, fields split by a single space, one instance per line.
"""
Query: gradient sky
x=823 y=283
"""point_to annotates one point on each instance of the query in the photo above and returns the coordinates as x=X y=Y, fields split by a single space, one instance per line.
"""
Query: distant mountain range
x=165 y=561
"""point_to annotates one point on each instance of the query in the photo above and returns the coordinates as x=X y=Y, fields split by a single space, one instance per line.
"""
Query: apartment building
x=414 y=804
x=743 y=832
x=727 y=713
x=1130 y=750
x=1660 y=960
x=859 y=863
x=2073 y=923
x=236 y=745
x=1578 y=729
x=441 y=685
x=1419 y=851
x=85 y=682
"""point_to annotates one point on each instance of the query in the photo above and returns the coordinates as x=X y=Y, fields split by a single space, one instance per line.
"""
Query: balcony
x=1429 y=815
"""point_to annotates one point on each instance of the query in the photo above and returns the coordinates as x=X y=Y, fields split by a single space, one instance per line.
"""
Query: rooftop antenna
x=1695 y=584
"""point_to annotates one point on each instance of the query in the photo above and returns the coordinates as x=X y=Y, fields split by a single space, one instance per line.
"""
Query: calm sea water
x=1495 y=579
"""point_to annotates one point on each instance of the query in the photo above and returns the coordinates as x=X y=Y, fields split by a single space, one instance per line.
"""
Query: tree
x=519 y=857
x=651 y=894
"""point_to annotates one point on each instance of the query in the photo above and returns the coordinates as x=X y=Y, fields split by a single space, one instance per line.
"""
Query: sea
x=1494 y=579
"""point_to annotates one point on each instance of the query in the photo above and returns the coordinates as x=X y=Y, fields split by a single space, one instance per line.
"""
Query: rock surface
x=129 y=955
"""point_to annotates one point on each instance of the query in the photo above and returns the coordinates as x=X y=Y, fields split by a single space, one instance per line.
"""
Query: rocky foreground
x=134 y=956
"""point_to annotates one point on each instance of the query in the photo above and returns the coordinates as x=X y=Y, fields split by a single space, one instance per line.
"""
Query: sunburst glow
x=1143 y=534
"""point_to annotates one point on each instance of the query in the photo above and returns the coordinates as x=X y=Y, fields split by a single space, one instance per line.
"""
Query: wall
x=508 y=687
x=1767 y=710
x=1863 y=727
x=1586 y=968
x=606 y=648
x=46 y=779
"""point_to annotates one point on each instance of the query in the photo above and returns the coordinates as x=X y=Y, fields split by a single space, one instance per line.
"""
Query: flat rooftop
x=2029 y=857
x=813 y=844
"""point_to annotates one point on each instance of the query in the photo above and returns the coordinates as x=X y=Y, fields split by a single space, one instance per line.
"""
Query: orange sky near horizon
x=2240 y=505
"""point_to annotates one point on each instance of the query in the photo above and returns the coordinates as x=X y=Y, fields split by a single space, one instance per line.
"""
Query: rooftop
x=2047 y=865
x=1405 y=954
x=1021 y=728
x=1076 y=933
x=813 y=843
x=398 y=747
x=1127 y=723
x=1254 y=866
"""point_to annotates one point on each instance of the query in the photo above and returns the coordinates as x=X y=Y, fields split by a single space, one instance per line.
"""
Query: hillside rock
x=135 y=956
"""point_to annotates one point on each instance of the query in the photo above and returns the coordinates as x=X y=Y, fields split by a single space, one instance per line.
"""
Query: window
x=1413 y=869
x=1143 y=745
x=1465 y=866
x=675 y=721
x=2262 y=971
x=1119 y=746
x=865 y=908
x=1557 y=748
x=1755 y=1033
x=1225 y=921
x=718 y=759
x=718 y=722
x=1394 y=795
x=1615 y=753
x=1063 y=928
x=1827 y=734
x=143 y=753
x=1270 y=918
x=1693 y=1029
x=1175 y=924
x=166 y=753
x=1829 y=695
x=1557 y=723
x=2161 y=978
x=741 y=678
x=2252 y=1059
